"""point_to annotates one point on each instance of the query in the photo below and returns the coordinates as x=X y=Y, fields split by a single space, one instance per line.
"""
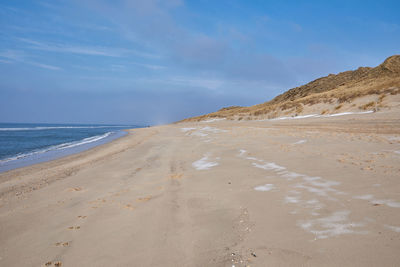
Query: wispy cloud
x=13 y=55
x=119 y=67
x=212 y=84
x=18 y=56
x=149 y=66
x=178 y=83
x=83 y=50
x=44 y=66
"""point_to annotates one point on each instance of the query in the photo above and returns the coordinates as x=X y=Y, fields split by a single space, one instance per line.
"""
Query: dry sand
x=307 y=192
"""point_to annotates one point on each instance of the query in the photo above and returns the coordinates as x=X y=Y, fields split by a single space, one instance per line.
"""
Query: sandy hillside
x=364 y=89
x=318 y=191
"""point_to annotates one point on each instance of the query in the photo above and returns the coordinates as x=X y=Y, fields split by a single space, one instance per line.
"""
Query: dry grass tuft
x=368 y=105
x=381 y=97
x=338 y=107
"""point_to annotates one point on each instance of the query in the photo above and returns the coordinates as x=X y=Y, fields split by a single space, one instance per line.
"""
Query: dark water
x=25 y=144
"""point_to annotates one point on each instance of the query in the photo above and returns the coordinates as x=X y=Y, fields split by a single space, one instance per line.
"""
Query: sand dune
x=351 y=92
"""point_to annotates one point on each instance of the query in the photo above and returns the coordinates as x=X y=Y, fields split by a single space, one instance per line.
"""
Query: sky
x=153 y=62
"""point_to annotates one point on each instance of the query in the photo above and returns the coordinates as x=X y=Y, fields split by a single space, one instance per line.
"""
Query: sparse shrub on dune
x=299 y=108
x=368 y=105
x=338 y=107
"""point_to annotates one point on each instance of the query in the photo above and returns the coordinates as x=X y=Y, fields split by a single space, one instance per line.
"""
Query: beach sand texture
x=307 y=192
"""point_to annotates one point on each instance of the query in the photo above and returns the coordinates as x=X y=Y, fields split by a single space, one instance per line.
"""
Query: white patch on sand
x=318 y=116
x=313 y=201
x=187 y=129
x=216 y=119
x=269 y=166
x=393 y=138
x=290 y=175
x=202 y=132
x=388 y=202
x=347 y=113
x=393 y=228
x=295 y=117
x=312 y=184
x=241 y=152
x=314 y=204
x=314 y=190
x=266 y=187
x=299 y=142
x=311 y=179
x=335 y=224
x=364 y=197
x=198 y=133
x=204 y=164
x=319 y=186
x=292 y=199
x=324 y=184
x=315 y=185
x=213 y=130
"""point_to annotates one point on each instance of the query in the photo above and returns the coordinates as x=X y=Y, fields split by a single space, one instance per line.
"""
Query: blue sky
x=151 y=62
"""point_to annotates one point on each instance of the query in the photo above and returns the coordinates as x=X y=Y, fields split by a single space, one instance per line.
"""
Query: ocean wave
x=59 y=147
x=58 y=127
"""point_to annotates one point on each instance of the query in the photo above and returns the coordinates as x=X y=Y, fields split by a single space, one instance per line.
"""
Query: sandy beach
x=305 y=192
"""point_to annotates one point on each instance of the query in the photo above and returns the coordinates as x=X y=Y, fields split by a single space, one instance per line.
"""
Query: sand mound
x=362 y=89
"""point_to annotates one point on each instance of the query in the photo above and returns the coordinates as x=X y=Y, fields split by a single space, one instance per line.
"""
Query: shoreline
x=306 y=192
x=33 y=158
x=58 y=168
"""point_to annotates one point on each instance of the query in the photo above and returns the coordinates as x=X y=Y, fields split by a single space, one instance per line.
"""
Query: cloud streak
x=44 y=66
x=227 y=56
x=21 y=57
x=83 y=50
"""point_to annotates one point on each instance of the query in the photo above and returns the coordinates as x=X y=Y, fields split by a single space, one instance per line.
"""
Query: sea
x=24 y=144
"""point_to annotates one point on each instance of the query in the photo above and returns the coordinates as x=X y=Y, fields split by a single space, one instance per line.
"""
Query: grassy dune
x=362 y=89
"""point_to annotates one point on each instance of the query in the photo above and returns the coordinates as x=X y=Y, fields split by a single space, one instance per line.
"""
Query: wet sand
x=307 y=192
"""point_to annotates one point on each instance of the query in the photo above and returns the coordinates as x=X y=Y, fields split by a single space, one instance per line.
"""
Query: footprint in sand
x=176 y=176
x=129 y=206
x=136 y=171
x=98 y=203
x=75 y=189
x=81 y=217
x=62 y=244
x=56 y=263
x=143 y=199
x=74 y=228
